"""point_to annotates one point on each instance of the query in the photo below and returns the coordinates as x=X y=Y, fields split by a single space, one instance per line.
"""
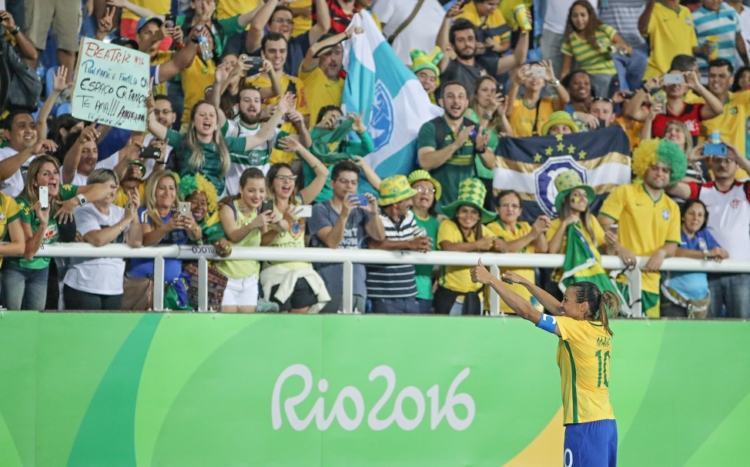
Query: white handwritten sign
x=111 y=86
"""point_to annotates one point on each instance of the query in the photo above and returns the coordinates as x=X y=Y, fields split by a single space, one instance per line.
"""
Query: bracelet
x=16 y=30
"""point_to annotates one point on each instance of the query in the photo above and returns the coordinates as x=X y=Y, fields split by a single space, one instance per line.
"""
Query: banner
x=388 y=96
x=530 y=166
x=111 y=85
x=213 y=389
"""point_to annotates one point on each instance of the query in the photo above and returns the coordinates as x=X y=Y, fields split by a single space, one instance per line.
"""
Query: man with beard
x=279 y=19
x=20 y=131
x=248 y=123
x=447 y=145
x=641 y=220
x=731 y=123
x=727 y=202
x=467 y=67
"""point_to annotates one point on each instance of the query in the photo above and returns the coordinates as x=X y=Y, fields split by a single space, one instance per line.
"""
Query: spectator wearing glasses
x=294 y=285
x=347 y=220
x=423 y=205
x=426 y=67
x=518 y=236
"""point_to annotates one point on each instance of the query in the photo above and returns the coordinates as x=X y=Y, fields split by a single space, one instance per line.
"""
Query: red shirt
x=339 y=19
x=690 y=116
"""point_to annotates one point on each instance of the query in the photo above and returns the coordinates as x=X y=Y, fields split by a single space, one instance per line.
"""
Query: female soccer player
x=583 y=355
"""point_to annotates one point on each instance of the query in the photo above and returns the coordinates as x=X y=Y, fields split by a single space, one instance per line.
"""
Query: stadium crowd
x=247 y=144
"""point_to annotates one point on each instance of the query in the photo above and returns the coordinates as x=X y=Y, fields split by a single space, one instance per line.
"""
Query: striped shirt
x=623 y=15
x=595 y=61
x=394 y=280
x=722 y=25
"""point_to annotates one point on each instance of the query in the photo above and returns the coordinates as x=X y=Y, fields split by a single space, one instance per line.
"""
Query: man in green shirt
x=448 y=145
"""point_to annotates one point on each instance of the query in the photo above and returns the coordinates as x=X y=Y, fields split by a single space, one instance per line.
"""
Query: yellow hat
x=559 y=118
x=395 y=189
x=421 y=60
x=420 y=175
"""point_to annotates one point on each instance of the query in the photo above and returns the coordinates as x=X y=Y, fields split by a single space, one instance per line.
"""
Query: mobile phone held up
x=169 y=21
x=673 y=78
x=361 y=199
x=266 y=206
x=44 y=197
x=714 y=147
x=150 y=152
x=183 y=208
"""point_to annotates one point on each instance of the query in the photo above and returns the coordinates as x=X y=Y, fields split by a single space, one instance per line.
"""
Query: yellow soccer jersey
x=670 y=33
x=645 y=225
x=732 y=123
x=503 y=232
x=493 y=27
x=9 y=211
x=529 y=121
x=457 y=278
x=584 y=355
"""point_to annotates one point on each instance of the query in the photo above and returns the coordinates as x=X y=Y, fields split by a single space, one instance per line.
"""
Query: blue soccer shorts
x=592 y=444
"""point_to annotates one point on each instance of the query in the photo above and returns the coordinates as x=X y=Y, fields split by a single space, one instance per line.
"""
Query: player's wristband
x=547 y=323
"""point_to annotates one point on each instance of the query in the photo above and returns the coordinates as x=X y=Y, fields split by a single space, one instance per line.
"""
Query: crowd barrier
x=348 y=257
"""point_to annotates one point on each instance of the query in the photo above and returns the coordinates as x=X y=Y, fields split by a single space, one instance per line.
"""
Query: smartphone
x=183 y=208
x=150 y=152
x=713 y=149
x=362 y=199
x=266 y=206
x=673 y=78
x=169 y=20
x=44 y=197
x=538 y=72
x=305 y=211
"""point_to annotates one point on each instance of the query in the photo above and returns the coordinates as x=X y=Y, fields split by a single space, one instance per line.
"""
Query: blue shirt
x=692 y=285
x=172 y=267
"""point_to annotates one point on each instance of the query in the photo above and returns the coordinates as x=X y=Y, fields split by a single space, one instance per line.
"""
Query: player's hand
x=481 y=274
x=514 y=278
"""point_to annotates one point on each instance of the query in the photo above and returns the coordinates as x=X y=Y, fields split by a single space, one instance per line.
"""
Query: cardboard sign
x=111 y=86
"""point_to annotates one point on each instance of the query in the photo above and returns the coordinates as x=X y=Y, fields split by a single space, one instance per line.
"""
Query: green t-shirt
x=222 y=30
x=595 y=61
x=28 y=216
x=211 y=168
x=424 y=271
x=437 y=134
x=482 y=170
x=332 y=147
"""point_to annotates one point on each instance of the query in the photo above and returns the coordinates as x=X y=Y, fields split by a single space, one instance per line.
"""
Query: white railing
x=348 y=258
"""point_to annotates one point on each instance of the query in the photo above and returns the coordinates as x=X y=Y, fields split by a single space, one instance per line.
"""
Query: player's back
x=584 y=355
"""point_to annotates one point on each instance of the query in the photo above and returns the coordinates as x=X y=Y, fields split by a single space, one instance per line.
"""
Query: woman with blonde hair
x=164 y=222
x=204 y=149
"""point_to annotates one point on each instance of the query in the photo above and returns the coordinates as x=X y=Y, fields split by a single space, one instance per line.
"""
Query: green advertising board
x=264 y=390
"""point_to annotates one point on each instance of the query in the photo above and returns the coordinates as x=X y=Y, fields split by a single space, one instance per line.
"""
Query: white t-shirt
x=110 y=163
x=13 y=186
x=745 y=30
x=262 y=151
x=557 y=14
x=102 y=276
x=728 y=216
x=420 y=34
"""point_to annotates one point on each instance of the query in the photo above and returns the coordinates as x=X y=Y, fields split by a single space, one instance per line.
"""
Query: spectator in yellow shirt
x=529 y=111
x=493 y=34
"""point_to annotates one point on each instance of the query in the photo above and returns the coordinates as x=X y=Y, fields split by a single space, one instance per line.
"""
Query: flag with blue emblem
x=529 y=166
x=381 y=88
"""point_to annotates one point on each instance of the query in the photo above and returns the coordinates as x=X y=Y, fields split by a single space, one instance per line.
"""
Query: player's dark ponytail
x=600 y=304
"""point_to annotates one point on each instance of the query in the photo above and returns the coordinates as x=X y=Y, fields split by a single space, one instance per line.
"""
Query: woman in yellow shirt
x=584 y=356
x=519 y=236
x=463 y=231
